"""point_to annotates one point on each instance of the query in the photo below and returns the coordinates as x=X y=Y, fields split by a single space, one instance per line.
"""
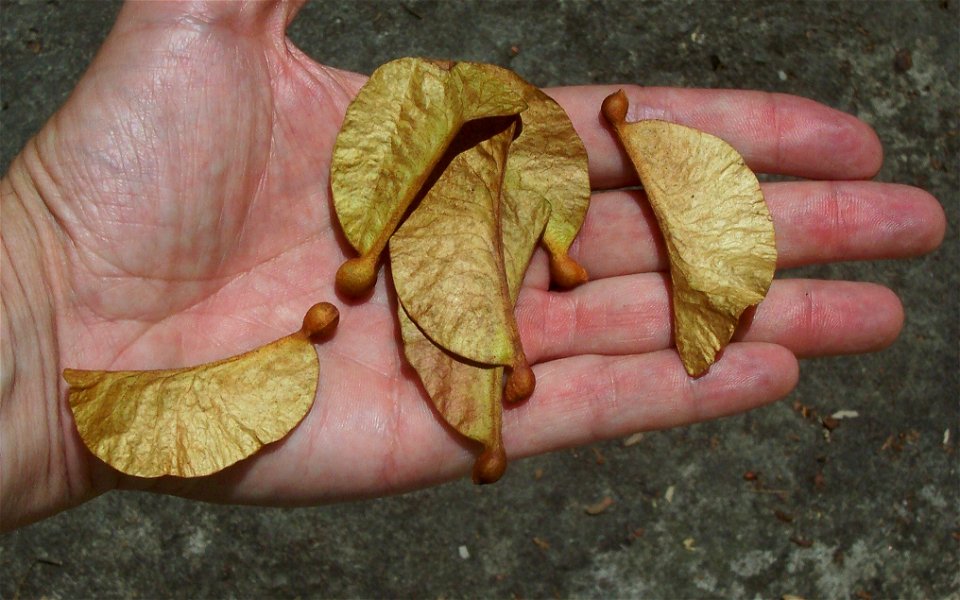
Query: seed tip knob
x=614 y=107
x=566 y=272
x=520 y=383
x=357 y=276
x=320 y=320
x=489 y=466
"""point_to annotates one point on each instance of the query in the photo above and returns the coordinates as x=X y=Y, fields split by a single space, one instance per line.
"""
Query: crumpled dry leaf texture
x=469 y=395
x=547 y=162
x=394 y=133
x=716 y=226
x=447 y=259
x=196 y=421
x=545 y=176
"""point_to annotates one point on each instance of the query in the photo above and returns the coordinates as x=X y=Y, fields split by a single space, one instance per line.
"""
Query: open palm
x=185 y=189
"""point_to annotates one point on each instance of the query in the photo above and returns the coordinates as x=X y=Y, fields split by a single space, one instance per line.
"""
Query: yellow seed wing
x=469 y=395
x=447 y=259
x=194 y=421
x=547 y=164
x=716 y=226
x=549 y=161
x=393 y=134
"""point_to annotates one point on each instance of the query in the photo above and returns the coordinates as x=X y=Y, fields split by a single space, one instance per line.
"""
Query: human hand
x=176 y=210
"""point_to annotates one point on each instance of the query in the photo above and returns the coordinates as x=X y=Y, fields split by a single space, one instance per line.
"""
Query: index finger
x=775 y=133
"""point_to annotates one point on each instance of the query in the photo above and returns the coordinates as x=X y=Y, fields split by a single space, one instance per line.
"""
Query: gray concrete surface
x=868 y=511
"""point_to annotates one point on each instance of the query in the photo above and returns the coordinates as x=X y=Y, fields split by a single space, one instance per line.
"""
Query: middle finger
x=814 y=222
x=631 y=315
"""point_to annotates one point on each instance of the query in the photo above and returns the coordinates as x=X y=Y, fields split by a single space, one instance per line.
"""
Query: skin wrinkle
x=853 y=209
x=366 y=365
x=317 y=418
x=573 y=318
x=137 y=157
x=531 y=322
x=262 y=180
x=100 y=167
x=67 y=237
x=128 y=276
x=564 y=316
x=599 y=382
x=888 y=223
x=226 y=281
x=8 y=375
x=567 y=402
x=388 y=472
x=604 y=405
x=770 y=109
x=654 y=257
x=136 y=338
x=825 y=318
x=198 y=170
x=37 y=175
x=843 y=207
x=835 y=219
x=220 y=178
x=584 y=320
x=46 y=281
x=102 y=236
x=806 y=313
x=144 y=334
x=75 y=479
x=269 y=156
x=39 y=351
x=692 y=394
x=323 y=97
x=773 y=116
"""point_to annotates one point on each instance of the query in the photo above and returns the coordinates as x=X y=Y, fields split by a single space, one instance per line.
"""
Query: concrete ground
x=760 y=505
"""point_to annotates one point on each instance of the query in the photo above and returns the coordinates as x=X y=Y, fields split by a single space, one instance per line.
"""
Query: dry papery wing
x=548 y=163
x=447 y=260
x=393 y=134
x=468 y=395
x=195 y=421
x=716 y=226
